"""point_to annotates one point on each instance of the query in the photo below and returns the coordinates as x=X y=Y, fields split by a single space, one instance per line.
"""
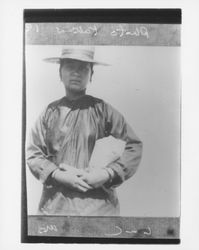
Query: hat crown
x=85 y=52
x=78 y=53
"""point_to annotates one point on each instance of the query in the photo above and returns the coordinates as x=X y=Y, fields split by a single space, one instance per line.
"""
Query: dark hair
x=64 y=60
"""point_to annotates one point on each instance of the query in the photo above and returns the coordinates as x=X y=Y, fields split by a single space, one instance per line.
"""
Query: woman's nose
x=77 y=69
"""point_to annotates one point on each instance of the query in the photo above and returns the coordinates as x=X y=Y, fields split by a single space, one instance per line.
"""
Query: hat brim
x=58 y=60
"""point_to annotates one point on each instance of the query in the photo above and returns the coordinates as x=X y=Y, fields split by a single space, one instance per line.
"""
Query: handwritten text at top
x=120 y=31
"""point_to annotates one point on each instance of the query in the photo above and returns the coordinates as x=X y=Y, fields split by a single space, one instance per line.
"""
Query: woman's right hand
x=71 y=179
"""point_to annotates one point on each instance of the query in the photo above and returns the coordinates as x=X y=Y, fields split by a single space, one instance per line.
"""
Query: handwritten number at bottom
x=47 y=228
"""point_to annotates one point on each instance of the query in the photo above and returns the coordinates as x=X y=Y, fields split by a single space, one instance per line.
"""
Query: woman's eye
x=84 y=68
x=70 y=65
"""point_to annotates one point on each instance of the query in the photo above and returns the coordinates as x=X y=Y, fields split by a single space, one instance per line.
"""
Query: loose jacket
x=66 y=132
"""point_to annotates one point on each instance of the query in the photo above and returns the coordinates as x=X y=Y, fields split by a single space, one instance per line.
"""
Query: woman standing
x=63 y=139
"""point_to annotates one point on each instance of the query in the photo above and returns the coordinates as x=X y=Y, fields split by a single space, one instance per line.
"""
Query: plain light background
x=11 y=25
x=143 y=83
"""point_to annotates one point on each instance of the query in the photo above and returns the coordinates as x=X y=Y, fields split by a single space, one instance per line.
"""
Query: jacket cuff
x=118 y=174
x=45 y=176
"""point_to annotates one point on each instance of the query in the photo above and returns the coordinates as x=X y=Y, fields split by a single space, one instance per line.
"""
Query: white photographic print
x=103 y=130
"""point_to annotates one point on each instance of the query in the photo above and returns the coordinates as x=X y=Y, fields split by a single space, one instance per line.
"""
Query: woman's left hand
x=96 y=178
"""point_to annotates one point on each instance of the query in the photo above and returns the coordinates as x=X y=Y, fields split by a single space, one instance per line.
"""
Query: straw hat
x=80 y=53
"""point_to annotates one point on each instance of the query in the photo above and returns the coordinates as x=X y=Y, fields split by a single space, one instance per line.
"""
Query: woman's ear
x=60 y=71
x=91 y=75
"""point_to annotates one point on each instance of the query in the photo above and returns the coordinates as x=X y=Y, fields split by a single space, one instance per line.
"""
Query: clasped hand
x=79 y=179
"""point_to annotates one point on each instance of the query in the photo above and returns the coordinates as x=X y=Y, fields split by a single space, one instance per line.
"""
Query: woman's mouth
x=75 y=81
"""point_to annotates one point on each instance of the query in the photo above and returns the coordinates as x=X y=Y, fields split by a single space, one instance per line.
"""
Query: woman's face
x=75 y=74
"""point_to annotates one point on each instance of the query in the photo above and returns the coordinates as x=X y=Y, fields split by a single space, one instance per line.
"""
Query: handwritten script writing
x=139 y=31
x=47 y=228
x=144 y=231
x=93 y=30
x=79 y=30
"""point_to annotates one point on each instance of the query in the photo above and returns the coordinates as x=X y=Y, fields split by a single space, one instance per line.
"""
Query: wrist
x=55 y=173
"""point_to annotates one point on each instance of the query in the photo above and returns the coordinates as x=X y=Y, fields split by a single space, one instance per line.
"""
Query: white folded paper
x=106 y=150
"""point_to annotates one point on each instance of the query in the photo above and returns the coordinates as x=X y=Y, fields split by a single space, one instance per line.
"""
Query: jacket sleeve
x=38 y=158
x=127 y=164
